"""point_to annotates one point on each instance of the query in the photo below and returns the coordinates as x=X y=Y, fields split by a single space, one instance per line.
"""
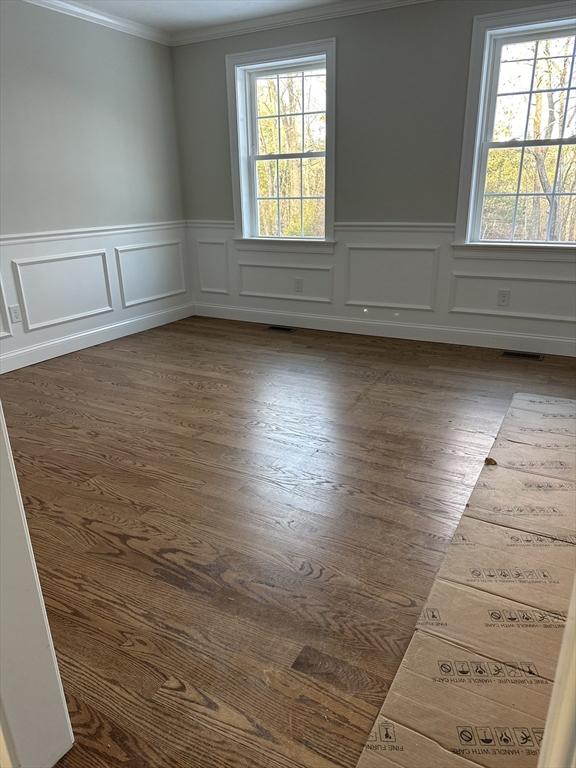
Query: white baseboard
x=407 y=274
x=436 y=333
x=75 y=341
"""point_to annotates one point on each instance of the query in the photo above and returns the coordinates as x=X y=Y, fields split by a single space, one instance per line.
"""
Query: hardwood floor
x=236 y=528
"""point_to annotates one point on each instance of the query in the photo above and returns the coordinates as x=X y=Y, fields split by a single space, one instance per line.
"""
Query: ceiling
x=177 y=22
x=174 y=15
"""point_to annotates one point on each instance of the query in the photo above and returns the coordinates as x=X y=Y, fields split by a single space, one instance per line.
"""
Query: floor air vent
x=285 y=328
x=522 y=355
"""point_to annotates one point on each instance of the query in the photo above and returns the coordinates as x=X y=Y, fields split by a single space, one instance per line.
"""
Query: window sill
x=493 y=249
x=286 y=245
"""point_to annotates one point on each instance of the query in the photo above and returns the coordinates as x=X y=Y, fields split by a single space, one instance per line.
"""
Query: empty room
x=288 y=384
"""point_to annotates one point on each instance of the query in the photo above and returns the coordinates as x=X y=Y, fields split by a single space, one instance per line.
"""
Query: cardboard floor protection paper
x=469 y=702
x=500 y=628
x=474 y=686
x=531 y=569
x=527 y=501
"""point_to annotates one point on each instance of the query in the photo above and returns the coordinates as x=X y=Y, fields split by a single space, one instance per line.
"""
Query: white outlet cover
x=15 y=313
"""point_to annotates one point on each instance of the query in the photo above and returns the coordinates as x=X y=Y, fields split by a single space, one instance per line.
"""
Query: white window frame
x=239 y=68
x=488 y=32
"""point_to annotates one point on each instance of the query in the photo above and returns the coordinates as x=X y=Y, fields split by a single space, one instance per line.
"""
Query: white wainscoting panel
x=532 y=297
x=61 y=288
x=73 y=293
x=398 y=279
x=81 y=287
x=150 y=271
x=278 y=281
x=393 y=276
x=213 y=266
x=5 y=326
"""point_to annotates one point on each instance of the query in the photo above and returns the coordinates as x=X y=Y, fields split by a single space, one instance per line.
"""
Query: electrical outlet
x=298 y=285
x=15 y=314
x=503 y=297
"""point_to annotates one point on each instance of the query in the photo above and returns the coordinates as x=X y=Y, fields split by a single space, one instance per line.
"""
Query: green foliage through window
x=530 y=182
x=291 y=121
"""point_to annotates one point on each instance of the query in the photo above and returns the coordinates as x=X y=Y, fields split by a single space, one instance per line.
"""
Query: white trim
x=34 y=719
x=118 y=23
x=62 y=346
x=73 y=234
x=514 y=252
x=224 y=244
x=433 y=249
x=503 y=278
x=4 y=314
x=289 y=296
x=119 y=250
x=19 y=263
x=310 y=267
x=240 y=114
x=213 y=32
x=286 y=296
x=278 y=245
x=278 y=20
x=394 y=226
x=209 y=224
x=559 y=744
x=436 y=333
x=485 y=29
x=344 y=226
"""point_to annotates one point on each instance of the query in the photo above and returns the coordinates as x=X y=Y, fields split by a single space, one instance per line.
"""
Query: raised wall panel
x=531 y=297
x=278 y=281
x=58 y=289
x=5 y=325
x=150 y=272
x=213 y=266
x=394 y=276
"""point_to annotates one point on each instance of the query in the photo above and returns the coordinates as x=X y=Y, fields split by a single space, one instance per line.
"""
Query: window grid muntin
x=477 y=212
x=318 y=65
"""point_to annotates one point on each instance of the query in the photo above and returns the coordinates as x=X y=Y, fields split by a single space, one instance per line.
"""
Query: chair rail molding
x=407 y=281
x=394 y=279
x=80 y=287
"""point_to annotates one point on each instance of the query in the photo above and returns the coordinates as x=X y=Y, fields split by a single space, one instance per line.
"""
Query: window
x=281 y=103
x=524 y=165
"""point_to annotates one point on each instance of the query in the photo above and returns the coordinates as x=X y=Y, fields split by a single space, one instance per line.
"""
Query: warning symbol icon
x=387 y=732
x=485 y=735
x=462 y=667
x=466 y=735
x=383 y=732
x=523 y=737
x=538 y=734
x=504 y=737
x=513 y=671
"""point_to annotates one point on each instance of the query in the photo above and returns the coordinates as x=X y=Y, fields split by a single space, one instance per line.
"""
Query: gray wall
x=88 y=130
x=401 y=92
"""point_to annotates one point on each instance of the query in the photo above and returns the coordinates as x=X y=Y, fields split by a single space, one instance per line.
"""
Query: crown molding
x=104 y=20
x=291 y=18
x=334 y=10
